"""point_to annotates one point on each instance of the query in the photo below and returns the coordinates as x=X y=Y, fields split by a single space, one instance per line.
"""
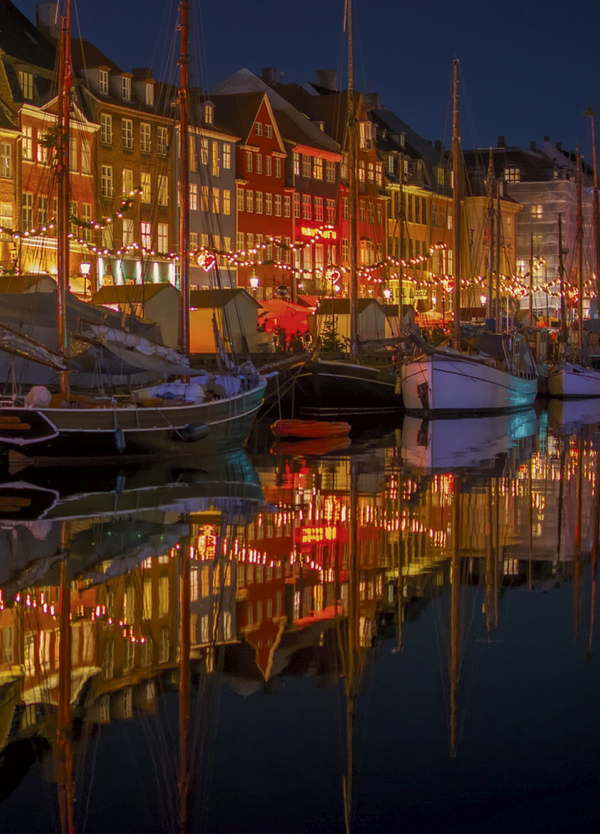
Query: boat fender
x=120 y=440
x=192 y=432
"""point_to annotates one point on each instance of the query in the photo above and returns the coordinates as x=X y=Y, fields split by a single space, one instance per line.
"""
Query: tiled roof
x=20 y=39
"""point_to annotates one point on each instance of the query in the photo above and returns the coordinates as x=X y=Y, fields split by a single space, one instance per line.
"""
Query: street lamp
x=85 y=268
x=254 y=282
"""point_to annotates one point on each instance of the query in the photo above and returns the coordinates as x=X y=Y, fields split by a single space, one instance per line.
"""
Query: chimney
x=438 y=145
x=269 y=74
x=502 y=141
x=372 y=101
x=558 y=146
x=47 y=20
x=532 y=146
x=328 y=78
x=546 y=138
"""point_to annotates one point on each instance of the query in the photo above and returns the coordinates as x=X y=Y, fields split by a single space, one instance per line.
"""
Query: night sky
x=527 y=70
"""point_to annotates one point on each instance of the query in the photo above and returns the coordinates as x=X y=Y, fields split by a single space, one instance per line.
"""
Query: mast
x=64 y=741
x=490 y=188
x=62 y=176
x=579 y=253
x=352 y=189
x=531 y=280
x=590 y=112
x=561 y=274
x=184 y=179
x=184 y=687
x=456 y=202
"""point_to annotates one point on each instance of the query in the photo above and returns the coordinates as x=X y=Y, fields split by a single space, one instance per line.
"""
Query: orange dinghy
x=303 y=429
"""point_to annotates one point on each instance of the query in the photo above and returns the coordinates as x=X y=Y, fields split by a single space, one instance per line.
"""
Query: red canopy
x=279 y=313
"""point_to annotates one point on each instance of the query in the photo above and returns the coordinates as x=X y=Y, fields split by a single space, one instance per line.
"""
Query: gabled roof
x=204 y=299
x=341 y=306
x=20 y=39
x=131 y=293
x=238 y=113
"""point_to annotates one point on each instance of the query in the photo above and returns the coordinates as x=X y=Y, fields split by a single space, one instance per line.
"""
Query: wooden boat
x=310 y=428
x=163 y=419
x=502 y=377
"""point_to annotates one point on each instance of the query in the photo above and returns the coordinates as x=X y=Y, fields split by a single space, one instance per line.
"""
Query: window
x=27 y=145
x=215 y=164
x=86 y=215
x=126 y=88
x=366 y=140
x=146 y=230
x=106 y=128
x=226 y=243
x=278 y=205
x=227 y=157
x=26 y=83
x=41 y=151
x=226 y=202
x=306 y=207
x=249 y=200
x=149 y=95
x=106 y=181
x=423 y=211
x=259 y=202
x=306 y=166
x=204 y=198
x=127 y=181
x=277 y=167
x=6 y=219
x=127 y=232
x=287 y=207
x=296 y=164
x=103 y=82
x=249 y=162
x=362 y=172
x=317 y=168
x=240 y=199
x=163 y=237
x=379 y=173
x=163 y=190
x=329 y=171
x=127 y=134
x=345 y=208
x=164 y=645
x=162 y=140
x=216 y=201
x=367 y=253
x=27 y=212
x=240 y=241
x=319 y=209
x=43 y=214
x=250 y=240
x=296 y=206
x=204 y=151
x=371 y=169
x=512 y=174
x=193 y=197
x=269 y=131
x=86 y=157
x=209 y=113
x=108 y=240
x=145 y=138
x=379 y=215
x=192 y=153
x=361 y=211
x=259 y=164
x=537 y=212
x=269 y=166
x=268 y=204
x=330 y=218
x=146 y=187
x=258 y=129
x=6 y=160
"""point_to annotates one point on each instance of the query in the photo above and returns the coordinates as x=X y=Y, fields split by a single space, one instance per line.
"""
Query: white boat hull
x=573 y=381
x=451 y=383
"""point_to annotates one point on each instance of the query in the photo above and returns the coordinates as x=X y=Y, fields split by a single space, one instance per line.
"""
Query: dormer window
x=103 y=82
x=26 y=82
x=512 y=174
x=150 y=95
x=209 y=113
x=126 y=88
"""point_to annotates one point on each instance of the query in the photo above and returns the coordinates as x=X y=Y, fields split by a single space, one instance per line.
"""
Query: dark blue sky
x=527 y=70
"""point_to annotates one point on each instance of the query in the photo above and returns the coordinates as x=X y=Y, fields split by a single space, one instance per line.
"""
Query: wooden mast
x=62 y=176
x=352 y=190
x=561 y=274
x=456 y=204
x=579 y=253
x=490 y=190
x=590 y=112
x=184 y=180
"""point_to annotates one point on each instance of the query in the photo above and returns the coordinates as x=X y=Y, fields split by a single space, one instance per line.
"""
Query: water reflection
x=148 y=617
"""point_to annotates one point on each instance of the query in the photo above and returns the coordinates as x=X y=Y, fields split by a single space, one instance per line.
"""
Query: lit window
x=209 y=113
x=163 y=190
x=227 y=157
x=512 y=174
x=145 y=138
x=146 y=187
x=317 y=168
x=193 y=197
x=216 y=201
x=162 y=137
x=226 y=201
x=27 y=211
x=163 y=237
x=149 y=99
x=26 y=83
x=127 y=180
x=27 y=143
x=537 y=212
x=146 y=230
x=6 y=160
x=103 y=82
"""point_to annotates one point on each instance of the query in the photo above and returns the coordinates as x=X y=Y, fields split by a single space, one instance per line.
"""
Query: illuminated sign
x=326 y=234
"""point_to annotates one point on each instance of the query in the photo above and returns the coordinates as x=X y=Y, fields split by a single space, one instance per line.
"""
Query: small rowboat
x=303 y=429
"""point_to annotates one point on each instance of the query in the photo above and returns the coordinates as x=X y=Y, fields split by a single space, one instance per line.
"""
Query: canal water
x=397 y=632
